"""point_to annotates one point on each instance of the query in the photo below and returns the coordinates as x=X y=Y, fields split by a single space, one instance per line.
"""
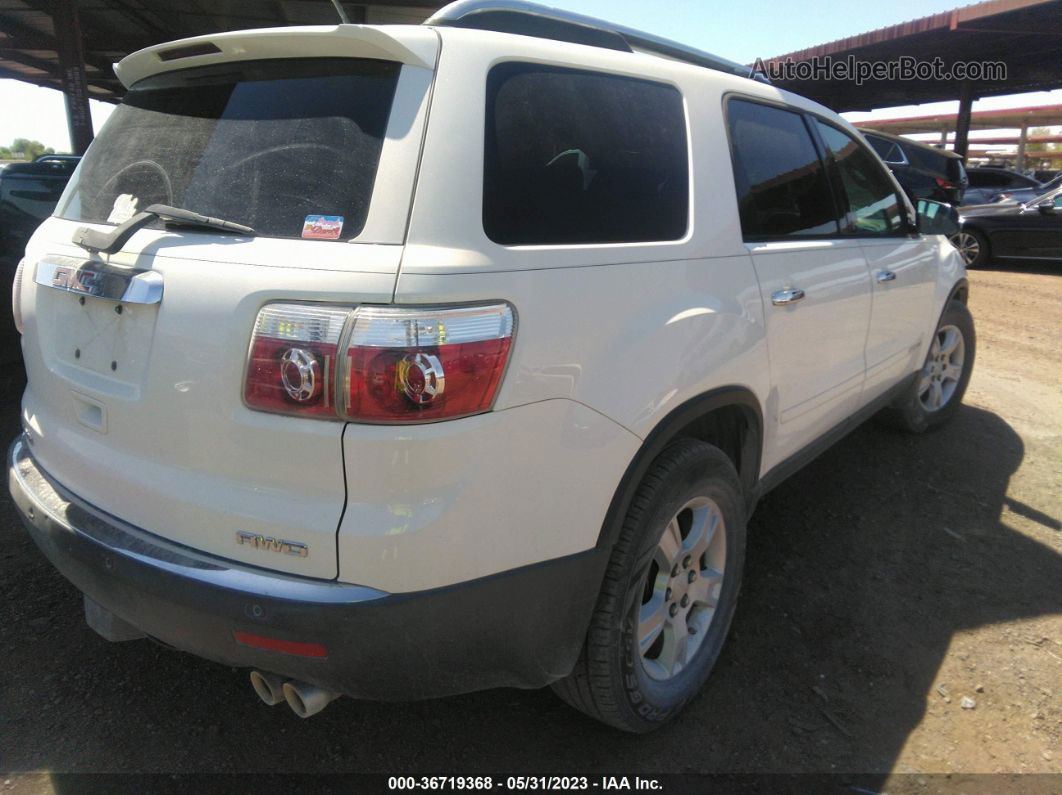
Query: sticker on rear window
x=323 y=227
x=123 y=209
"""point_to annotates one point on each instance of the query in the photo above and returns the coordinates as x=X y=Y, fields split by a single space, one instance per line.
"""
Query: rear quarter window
x=928 y=160
x=579 y=157
x=889 y=151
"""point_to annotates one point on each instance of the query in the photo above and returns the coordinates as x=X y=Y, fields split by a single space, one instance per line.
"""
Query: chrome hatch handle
x=99 y=280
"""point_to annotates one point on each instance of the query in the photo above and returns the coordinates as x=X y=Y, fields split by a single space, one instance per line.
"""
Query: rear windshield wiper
x=110 y=242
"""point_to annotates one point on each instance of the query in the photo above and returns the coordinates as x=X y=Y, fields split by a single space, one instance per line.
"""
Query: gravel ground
x=902 y=613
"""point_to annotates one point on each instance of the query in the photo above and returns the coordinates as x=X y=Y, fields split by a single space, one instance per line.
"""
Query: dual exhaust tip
x=304 y=699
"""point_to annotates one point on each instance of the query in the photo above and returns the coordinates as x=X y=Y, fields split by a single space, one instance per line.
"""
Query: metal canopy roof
x=1024 y=34
x=111 y=29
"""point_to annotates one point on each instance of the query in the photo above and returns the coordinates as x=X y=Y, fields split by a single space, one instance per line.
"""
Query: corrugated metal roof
x=1025 y=35
x=946 y=20
x=111 y=29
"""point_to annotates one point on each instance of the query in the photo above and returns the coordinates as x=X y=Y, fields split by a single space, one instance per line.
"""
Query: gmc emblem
x=78 y=280
x=270 y=544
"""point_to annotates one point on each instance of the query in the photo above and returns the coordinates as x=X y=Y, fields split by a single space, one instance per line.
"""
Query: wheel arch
x=728 y=417
x=960 y=291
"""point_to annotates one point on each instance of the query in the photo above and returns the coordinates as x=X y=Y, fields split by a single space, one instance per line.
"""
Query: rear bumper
x=522 y=628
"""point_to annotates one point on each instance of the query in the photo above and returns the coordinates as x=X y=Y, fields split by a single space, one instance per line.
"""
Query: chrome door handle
x=789 y=295
x=886 y=276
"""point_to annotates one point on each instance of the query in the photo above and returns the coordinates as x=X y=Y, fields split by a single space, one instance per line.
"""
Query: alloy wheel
x=682 y=588
x=943 y=369
x=967 y=245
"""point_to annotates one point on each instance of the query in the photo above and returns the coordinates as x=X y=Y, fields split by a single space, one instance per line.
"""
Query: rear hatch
x=311 y=138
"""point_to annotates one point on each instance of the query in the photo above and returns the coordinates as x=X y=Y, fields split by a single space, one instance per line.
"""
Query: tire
x=639 y=687
x=973 y=247
x=917 y=411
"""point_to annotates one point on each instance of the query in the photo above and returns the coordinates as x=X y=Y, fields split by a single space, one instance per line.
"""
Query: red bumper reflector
x=283 y=646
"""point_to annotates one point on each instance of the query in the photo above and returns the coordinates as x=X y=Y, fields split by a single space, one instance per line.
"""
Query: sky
x=739 y=31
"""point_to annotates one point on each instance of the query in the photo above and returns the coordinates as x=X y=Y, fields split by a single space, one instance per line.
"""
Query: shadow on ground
x=861 y=569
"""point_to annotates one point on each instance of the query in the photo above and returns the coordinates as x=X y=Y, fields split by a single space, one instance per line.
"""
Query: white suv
x=398 y=362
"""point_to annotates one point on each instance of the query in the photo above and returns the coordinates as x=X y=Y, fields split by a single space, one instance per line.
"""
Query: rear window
x=269 y=144
x=928 y=160
x=583 y=157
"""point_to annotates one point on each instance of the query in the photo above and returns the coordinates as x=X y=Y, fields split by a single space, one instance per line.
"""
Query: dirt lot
x=890 y=581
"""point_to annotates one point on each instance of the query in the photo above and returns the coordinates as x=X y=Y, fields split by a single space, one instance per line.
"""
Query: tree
x=1041 y=153
x=1034 y=148
x=28 y=149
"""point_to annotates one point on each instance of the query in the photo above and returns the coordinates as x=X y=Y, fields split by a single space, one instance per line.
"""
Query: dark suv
x=925 y=172
x=28 y=194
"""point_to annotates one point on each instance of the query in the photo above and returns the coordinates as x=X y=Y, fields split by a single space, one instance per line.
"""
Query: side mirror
x=1046 y=208
x=937 y=218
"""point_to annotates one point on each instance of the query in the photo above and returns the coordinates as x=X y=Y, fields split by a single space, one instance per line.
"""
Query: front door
x=1031 y=234
x=901 y=264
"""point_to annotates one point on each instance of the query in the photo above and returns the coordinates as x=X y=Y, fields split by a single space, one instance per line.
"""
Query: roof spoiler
x=406 y=44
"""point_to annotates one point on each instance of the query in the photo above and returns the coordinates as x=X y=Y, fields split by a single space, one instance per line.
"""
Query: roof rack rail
x=544 y=22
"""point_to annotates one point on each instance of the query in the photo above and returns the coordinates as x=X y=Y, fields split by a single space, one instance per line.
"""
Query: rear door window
x=578 y=157
x=781 y=183
x=867 y=195
x=269 y=144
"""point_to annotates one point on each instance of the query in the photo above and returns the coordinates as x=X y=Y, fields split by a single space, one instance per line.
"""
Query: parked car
x=1021 y=195
x=924 y=172
x=500 y=416
x=986 y=182
x=1045 y=176
x=28 y=194
x=1009 y=230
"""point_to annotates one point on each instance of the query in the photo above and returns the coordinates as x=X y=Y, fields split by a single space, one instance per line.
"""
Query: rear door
x=137 y=406
x=902 y=264
x=813 y=280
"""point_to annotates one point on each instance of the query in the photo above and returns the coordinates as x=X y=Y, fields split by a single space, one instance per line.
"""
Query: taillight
x=418 y=365
x=16 y=296
x=943 y=183
x=398 y=364
x=291 y=368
